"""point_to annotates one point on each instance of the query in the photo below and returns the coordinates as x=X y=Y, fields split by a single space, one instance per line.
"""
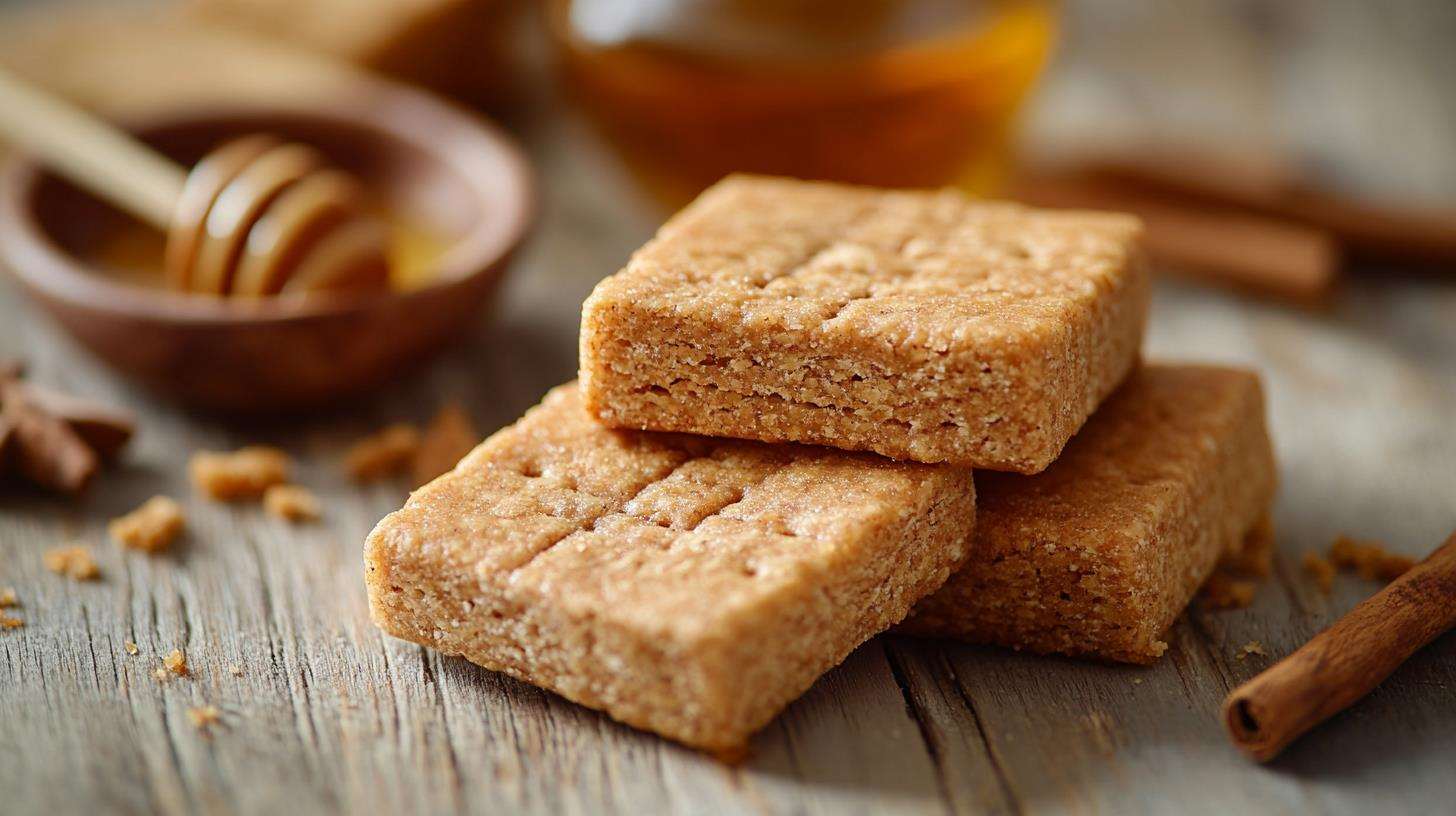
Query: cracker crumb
x=1321 y=570
x=242 y=474
x=1369 y=559
x=446 y=440
x=176 y=662
x=131 y=648
x=151 y=527
x=290 y=502
x=385 y=453
x=1253 y=647
x=235 y=670
x=74 y=562
x=204 y=716
x=1255 y=557
x=8 y=598
x=10 y=622
x=1137 y=681
x=1225 y=592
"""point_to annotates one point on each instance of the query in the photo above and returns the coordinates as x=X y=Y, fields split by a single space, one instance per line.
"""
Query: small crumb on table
x=74 y=562
x=8 y=598
x=1224 y=592
x=242 y=474
x=1253 y=647
x=1255 y=556
x=10 y=622
x=385 y=453
x=1369 y=559
x=151 y=527
x=235 y=670
x=1321 y=570
x=131 y=648
x=175 y=662
x=448 y=437
x=291 y=503
x=204 y=716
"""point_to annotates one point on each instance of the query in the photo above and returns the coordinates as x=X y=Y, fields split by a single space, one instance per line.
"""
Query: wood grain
x=329 y=716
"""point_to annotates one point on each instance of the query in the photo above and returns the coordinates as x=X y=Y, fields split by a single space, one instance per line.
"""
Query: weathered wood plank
x=329 y=716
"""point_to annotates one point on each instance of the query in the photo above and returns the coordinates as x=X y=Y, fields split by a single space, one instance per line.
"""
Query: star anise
x=54 y=440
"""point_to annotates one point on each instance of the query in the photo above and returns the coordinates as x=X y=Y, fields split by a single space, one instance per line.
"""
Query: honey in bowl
x=132 y=254
x=900 y=93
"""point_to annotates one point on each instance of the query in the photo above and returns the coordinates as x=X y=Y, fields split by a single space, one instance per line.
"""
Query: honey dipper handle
x=91 y=153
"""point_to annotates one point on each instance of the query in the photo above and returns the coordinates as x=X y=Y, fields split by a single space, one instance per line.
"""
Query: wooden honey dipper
x=255 y=217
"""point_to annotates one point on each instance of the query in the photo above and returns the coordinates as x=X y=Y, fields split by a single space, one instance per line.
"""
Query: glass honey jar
x=901 y=93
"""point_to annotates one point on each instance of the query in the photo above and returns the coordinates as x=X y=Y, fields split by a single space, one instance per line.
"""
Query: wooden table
x=328 y=715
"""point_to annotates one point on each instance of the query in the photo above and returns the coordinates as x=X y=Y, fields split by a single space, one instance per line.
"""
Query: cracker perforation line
x=742 y=495
x=591 y=523
x=821 y=246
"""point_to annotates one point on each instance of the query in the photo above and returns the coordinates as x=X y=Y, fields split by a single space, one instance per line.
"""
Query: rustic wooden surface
x=328 y=715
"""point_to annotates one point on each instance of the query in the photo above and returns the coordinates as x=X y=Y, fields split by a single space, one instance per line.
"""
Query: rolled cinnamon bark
x=1367 y=229
x=1240 y=250
x=1346 y=661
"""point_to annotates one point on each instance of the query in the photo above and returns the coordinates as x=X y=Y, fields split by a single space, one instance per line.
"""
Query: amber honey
x=132 y=253
x=889 y=92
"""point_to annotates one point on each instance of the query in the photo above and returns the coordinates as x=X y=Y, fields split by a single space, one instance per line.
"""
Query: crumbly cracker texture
x=924 y=326
x=294 y=503
x=1253 y=647
x=175 y=662
x=683 y=585
x=203 y=717
x=388 y=452
x=239 y=475
x=446 y=440
x=1321 y=570
x=75 y=562
x=1369 y=559
x=151 y=527
x=1222 y=591
x=1097 y=556
x=1255 y=558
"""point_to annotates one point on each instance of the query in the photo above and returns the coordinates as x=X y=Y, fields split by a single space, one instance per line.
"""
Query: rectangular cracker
x=684 y=585
x=1098 y=555
x=920 y=325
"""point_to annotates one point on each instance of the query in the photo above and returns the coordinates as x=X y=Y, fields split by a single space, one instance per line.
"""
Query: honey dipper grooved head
x=258 y=216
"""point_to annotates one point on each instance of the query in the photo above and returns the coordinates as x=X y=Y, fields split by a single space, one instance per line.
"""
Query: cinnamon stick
x=1366 y=229
x=1246 y=252
x=1345 y=662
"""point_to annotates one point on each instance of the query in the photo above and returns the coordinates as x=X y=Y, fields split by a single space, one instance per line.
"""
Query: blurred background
x=629 y=107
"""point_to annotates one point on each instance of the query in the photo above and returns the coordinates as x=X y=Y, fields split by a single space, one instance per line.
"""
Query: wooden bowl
x=437 y=165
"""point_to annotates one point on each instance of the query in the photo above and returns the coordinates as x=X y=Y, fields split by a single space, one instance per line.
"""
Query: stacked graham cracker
x=768 y=459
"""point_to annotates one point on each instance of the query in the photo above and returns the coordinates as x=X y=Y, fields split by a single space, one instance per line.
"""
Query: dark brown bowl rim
x=479 y=151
